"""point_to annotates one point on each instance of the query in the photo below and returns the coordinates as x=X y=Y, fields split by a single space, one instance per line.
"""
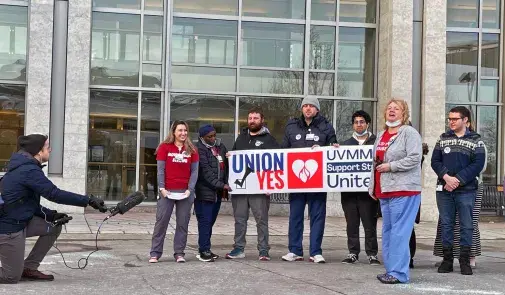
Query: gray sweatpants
x=163 y=214
x=12 y=249
x=259 y=204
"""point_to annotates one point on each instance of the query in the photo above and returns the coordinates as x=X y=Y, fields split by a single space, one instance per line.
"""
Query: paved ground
x=121 y=265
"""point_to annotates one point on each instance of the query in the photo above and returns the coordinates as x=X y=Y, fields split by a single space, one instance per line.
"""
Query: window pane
x=278 y=111
x=461 y=66
x=488 y=91
x=129 y=4
x=356 y=62
x=487 y=127
x=274 y=8
x=463 y=13
x=272 y=45
x=149 y=140
x=225 y=7
x=198 y=110
x=156 y=5
x=115 y=49
x=323 y=10
x=112 y=143
x=490 y=54
x=12 y=121
x=491 y=14
x=151 y=76
x=280 y=82
x=153 y=38
x=13 y=29
x=322 y=47
x=321 y=83
x=204 y=41
x=203 y=78
x=345 y=109
x=360 y=11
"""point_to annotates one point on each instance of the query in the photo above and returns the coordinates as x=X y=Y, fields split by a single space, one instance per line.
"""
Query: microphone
x=125 y=205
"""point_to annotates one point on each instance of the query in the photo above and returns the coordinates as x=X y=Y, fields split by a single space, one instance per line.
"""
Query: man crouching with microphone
x=22 y=216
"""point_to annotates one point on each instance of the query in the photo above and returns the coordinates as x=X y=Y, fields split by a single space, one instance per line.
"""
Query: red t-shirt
x=382 y=147
x=177 y=165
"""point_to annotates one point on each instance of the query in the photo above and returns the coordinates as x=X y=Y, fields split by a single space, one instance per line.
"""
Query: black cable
x=83 y=259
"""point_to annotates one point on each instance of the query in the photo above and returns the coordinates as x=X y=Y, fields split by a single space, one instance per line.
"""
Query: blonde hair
x=403 y=106
x=188 y=145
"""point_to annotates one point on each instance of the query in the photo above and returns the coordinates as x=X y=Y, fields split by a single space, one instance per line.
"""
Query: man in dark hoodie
x=254 y=137
x=309 y=130
x=22 y=216
x=212 y=185
x=458 y=159
x=359 y=205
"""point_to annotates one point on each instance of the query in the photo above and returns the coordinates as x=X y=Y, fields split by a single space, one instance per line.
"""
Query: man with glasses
x=359 y=205
x=458 y=159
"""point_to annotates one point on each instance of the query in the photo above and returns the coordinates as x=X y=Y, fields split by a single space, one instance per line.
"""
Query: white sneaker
x=292 y=257
x=317 y=259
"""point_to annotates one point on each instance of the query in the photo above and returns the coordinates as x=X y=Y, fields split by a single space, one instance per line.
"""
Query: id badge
x=309 y=136
x=219 y=158
x=439 y=188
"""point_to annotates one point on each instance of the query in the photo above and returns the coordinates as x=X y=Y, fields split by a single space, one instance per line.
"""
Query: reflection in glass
x=12 y=120
x=204 y=41
x=115 y=49
x=488 y=91
x=490 y=54
x=272 y=45
x=151 y=76
x=321 y=83
x=491 y=14
x=359 y=11
x=149 y=140
x=461 y=66
x=112 y=143
x=125 y=4
x=280 y=82
x=274 y=119
x=275 y=9
x=343 y=121
x=487 y=127
x=198 y=110
x=156 y=5
x=463 y=13
x=13 y=32
x=356 y=62
x=203 y=78
x=322 y=47
x=153 y=40
x=323 y=10
x=224 y=7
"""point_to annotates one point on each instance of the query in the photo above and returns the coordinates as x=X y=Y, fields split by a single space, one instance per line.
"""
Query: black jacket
x=263 y=140
x=297 y=129
x=211 y=179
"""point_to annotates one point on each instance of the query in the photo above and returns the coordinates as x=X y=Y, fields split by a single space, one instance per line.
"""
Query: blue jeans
x=448 y=203
x=317 y=215
x=398 y=217
x=206 y=214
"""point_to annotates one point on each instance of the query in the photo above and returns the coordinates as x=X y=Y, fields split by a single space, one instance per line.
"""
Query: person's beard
x=253 y=127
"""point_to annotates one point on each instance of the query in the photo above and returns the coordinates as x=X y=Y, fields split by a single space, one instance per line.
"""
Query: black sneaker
x=215 y=256
x=351 y=258
x=205 y=256
x=411 y=264
x=374 y=260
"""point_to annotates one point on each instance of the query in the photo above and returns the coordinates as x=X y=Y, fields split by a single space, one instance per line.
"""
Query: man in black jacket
x=212 y=185
x=22 y=216
x=254 y=137
x=309 y=130
x=359 y=205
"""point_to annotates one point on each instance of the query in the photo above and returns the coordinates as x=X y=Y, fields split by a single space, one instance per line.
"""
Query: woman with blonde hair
x=177 y=160
x=396 y=182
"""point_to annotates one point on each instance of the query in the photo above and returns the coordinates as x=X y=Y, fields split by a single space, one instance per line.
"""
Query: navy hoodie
x=22 y=186
x=462 y=157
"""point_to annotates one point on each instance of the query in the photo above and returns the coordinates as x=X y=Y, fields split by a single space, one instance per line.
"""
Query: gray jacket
x=404 y=155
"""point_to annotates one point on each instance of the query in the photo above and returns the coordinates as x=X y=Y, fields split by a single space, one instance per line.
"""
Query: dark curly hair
x=362 y=114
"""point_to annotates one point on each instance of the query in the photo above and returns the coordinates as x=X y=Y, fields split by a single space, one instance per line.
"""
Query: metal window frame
x=25 y=3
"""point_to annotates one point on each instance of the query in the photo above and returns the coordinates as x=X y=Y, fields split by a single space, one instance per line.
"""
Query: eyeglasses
x=360 y=122
x=453 y=119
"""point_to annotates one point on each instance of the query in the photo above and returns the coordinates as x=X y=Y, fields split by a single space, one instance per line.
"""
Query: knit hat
x=312 y=101
x=206 y=129
x=32 y=143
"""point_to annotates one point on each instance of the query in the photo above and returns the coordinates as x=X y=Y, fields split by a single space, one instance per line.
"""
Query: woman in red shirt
x=177 y=160
x=396 y=182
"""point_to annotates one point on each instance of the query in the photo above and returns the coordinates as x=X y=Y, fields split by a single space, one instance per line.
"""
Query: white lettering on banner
x=322 y=169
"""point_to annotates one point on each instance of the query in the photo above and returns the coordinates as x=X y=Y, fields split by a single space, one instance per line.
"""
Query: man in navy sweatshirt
x=458 y=159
